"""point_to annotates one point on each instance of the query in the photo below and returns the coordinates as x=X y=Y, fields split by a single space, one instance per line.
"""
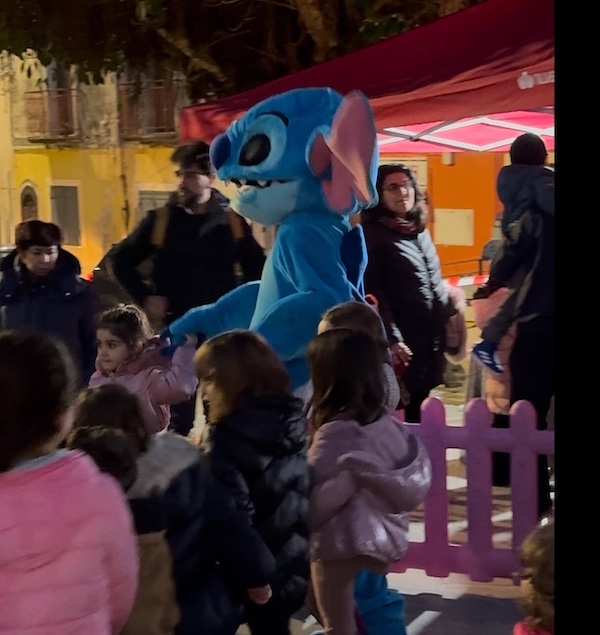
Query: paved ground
x=450 y=606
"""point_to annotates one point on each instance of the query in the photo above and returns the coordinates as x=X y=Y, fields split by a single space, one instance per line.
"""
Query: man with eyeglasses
x=204 y=250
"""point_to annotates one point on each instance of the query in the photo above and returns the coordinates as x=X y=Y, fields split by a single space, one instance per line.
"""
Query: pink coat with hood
x=156 y=380
x=68 y=551
x=496 y=386
x=366 y=480
x=521 y=628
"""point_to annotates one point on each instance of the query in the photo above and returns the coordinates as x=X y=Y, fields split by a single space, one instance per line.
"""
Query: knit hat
x=528 y=149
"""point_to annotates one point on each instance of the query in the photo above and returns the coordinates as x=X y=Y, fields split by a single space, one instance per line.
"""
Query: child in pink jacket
x=127 y=355
x=68 y=551
x=368 y=472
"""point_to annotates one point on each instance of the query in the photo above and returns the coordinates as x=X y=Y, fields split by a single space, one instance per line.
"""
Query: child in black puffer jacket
x=257 y=443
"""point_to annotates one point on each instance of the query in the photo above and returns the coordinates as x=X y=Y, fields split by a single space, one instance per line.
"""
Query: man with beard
x=204 y=251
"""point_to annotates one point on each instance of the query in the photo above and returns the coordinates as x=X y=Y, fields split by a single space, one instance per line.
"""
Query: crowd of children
x=111 y=523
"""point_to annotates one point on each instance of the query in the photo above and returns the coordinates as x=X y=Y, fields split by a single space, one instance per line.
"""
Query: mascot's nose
x=220 y=149
x=256 y=150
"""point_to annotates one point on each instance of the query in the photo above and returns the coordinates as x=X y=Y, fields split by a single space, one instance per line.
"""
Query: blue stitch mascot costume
x=305 y=160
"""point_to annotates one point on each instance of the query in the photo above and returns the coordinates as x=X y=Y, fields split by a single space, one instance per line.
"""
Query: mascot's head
x=308 y=149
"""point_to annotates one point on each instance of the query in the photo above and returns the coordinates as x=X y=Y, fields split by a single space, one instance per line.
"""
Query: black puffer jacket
x=404 y=275
x=61 y=304
x=259 y=454
x=216 y=552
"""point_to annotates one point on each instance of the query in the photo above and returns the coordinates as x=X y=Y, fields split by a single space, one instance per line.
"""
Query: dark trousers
x=532 y=367
x=182 y=416
x=412 y=412
x=500 y=460
x=267 y=619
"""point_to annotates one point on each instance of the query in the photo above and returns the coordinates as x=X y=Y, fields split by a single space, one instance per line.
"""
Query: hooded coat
x=259 y=454
x=526 y=258
x=216 y=553
x=366 y=481
x=61 y=304
x=157 y=381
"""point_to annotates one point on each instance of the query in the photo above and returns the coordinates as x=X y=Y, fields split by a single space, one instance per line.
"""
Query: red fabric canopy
x=496 y=57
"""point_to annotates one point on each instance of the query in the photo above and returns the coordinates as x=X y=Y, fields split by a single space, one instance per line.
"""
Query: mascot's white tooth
x=243 y=181
x=262 y=183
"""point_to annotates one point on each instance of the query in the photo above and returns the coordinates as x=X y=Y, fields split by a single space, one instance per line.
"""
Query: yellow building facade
x=93 y=159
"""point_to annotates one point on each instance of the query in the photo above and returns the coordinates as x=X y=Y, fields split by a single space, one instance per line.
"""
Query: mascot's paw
x=170 y=342
x=486 y=353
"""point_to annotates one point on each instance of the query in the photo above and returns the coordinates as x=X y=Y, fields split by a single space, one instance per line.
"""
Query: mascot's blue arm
x=310 y=261
x=232 y=311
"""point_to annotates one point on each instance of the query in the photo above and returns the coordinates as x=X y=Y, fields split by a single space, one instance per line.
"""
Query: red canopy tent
x=473 y=80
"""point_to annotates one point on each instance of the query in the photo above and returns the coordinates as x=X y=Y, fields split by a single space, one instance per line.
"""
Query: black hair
x=347 y=375
x=528 y=149
x=113 y=451
x=112 y=406
x=193 y=155
x=37 y=233
x=38 y=383
x=383 y=172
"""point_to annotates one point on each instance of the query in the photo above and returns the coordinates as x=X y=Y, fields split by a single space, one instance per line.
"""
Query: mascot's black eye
x=256 y=150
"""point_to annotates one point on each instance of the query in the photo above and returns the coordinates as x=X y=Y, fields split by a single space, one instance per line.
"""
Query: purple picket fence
x=478 y=558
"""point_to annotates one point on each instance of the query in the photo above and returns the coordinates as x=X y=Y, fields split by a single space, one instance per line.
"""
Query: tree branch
x=318 y=27
x=205 y=63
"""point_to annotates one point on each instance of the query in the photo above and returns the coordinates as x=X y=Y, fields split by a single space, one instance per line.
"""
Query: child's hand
x=261 y=594
x=191 y=340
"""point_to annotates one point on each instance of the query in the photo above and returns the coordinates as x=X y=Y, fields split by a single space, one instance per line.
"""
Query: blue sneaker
x=487 y=354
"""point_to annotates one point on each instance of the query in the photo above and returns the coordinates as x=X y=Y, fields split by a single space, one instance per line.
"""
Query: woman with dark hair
x=41 y=290
x=404 y=275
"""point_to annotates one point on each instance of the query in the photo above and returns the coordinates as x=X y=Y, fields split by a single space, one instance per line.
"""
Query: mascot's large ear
x=346 y=157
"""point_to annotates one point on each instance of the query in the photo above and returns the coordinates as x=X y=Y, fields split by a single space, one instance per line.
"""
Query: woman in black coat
x=404 y=275
x=256 y=442
x=41 y=290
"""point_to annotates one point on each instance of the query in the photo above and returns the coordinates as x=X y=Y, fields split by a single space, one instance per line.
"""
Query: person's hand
x=191 y=340
x=261 y=594
x=156 y=307
x=401 y=354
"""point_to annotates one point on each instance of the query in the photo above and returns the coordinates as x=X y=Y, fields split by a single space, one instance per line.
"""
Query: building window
x=65 y=212
x=29 y=204
x=147 y=105
x=50 y=112
x=151 y=199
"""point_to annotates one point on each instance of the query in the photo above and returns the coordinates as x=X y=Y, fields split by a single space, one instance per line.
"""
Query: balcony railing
x=149 y=109
x=50 y=114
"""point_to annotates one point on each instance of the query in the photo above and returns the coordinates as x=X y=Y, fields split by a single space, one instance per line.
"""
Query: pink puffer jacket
x=497 y=386
x=68 y=552
x=157 y=381
x=366 y=480
x=521 y=628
